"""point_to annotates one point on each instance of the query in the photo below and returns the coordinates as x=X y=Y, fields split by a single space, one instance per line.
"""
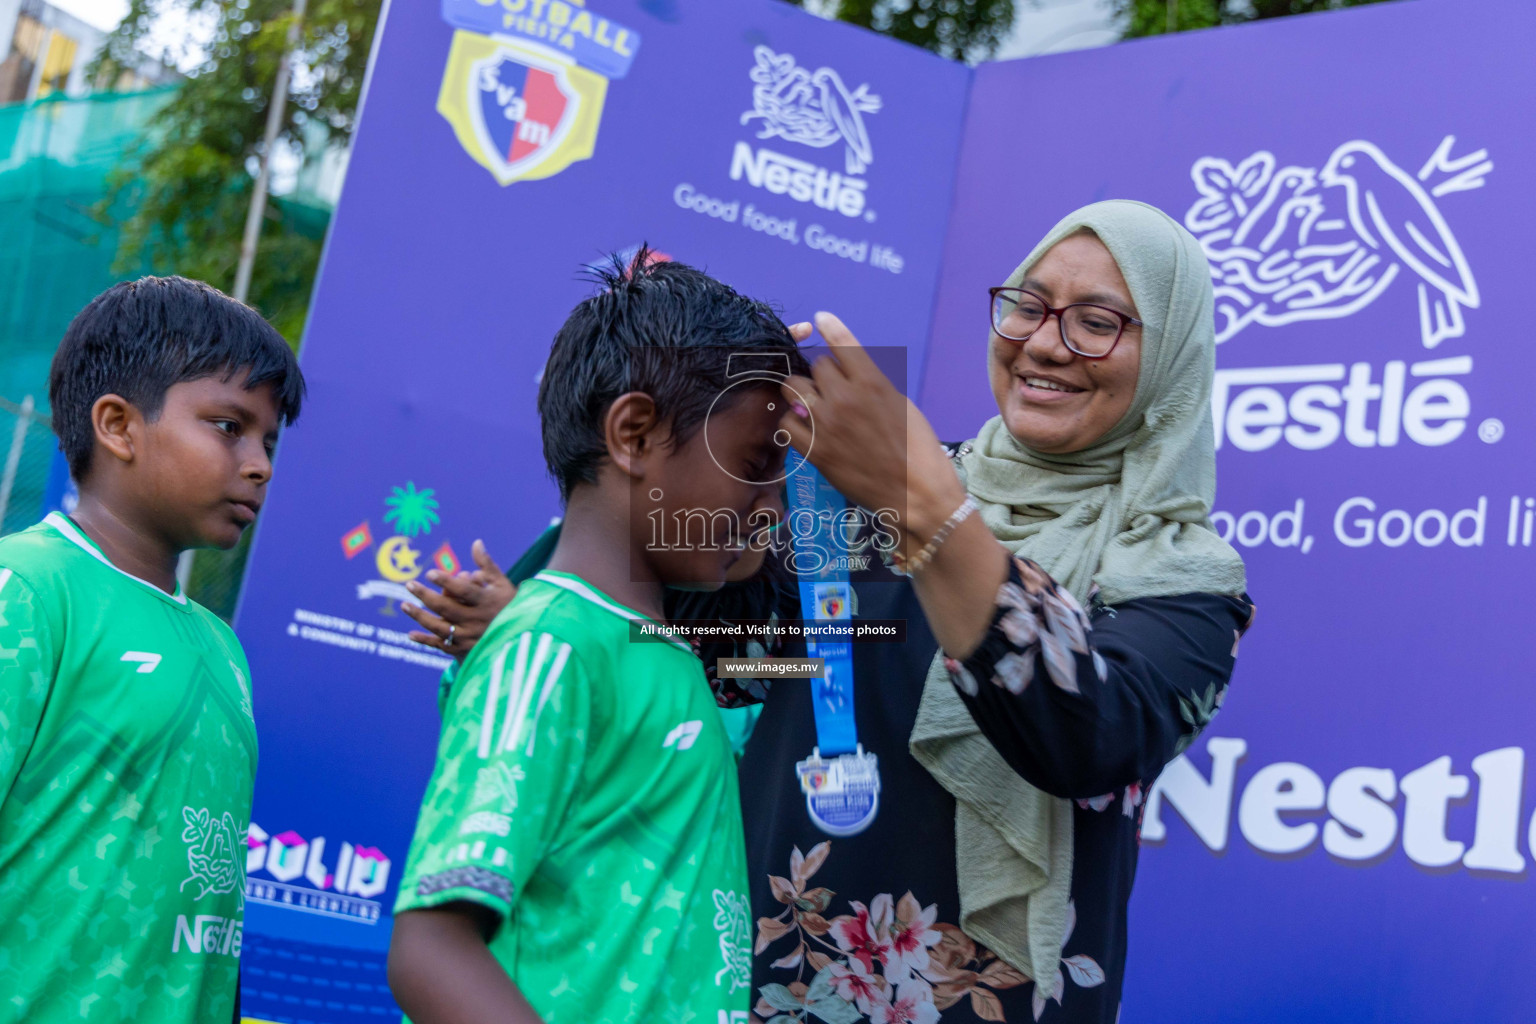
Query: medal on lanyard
x=840 y=779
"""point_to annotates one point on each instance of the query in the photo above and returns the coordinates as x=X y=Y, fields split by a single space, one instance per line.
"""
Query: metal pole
x=275 y=113
x=1173 y=16
x=13 y=459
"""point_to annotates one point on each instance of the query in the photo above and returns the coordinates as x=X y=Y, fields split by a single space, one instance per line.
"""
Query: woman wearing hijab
x=1072 y=623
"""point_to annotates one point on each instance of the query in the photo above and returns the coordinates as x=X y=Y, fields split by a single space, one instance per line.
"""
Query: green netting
x=55 y=155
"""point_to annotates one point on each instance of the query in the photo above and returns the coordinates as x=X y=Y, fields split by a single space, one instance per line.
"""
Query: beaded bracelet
x=911 y=566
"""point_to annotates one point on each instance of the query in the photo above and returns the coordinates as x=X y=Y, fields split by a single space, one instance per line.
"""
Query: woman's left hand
x=454 y=621
x=867 y=438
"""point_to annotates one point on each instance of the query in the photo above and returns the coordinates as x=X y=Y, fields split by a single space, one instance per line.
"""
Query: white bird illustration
x=845 y=109
x=1227 y=191
x=811 y=108
x=1387 y=206
x=1279 y=200
x=1281 y=251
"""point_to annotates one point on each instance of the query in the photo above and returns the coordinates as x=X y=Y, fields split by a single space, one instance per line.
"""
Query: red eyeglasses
x=1090 y=330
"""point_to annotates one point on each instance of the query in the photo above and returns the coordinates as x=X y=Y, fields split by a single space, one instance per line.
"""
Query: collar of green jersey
x=581 y=588
x=72 y=533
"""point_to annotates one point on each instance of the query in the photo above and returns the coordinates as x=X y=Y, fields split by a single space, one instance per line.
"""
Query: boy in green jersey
x=127 y=748
x=579 y=857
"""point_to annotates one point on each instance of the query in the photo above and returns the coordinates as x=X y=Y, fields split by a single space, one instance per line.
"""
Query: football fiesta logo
x=525 y=82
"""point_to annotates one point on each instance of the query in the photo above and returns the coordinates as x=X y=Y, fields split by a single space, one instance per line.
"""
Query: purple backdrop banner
x=805 y=162
x=1351 y=841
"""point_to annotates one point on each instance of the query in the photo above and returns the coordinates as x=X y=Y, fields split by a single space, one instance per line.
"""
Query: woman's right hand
x=874 y=446
x=869 y=440
x=464 y=609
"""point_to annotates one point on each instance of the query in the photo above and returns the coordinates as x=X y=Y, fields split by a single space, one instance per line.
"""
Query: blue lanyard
x=821 y=559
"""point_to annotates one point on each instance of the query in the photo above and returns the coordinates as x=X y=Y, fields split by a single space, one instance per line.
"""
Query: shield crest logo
x=522 y=109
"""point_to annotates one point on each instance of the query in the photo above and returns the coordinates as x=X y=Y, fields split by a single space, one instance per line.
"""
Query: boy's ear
x=117 y=424
x=633 y=432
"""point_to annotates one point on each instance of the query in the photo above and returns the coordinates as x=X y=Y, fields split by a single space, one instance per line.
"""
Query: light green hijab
x=1129 y=514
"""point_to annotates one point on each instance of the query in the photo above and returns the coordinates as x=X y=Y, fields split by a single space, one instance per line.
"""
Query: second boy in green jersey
x=584 y=793
x=579 y=855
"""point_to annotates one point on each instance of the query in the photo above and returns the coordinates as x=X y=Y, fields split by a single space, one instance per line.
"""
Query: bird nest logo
x=215 y=852
x=411 y=514
x=733 y=921
x=1321 y=243
x=813 y=108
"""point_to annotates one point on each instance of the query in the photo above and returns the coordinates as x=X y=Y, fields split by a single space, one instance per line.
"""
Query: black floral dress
x=1088 y=706
x=1084 y=705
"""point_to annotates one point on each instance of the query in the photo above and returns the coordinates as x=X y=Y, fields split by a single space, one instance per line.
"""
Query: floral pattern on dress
x=1082 y=968
x=889 y=961
x=1131 y=798
x=1197 y=714
x=1045 y=626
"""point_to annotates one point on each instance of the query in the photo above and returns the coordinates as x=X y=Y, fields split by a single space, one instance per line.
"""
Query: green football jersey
x=585 y=791
x=127 y=759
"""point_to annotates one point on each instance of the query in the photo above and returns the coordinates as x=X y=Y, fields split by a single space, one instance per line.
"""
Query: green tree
x=1157 y=17
x=181 y=198
x=412 y=511
x=969 y=30
x=180 y=202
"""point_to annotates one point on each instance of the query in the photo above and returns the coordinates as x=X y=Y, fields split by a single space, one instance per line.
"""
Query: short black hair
x=138 y=338
x=656 y=326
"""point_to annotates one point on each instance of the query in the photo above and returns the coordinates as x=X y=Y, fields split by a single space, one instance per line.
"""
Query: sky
x=1052 y=26
x=102 y=14
x=1043 y=26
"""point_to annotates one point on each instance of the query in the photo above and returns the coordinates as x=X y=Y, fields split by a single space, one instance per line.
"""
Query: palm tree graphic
x=410 y=510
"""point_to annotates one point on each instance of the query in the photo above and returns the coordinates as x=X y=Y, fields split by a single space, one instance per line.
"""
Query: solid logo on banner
x=1309 y=243
x=518 y=112
x=525 y=83
x=522 y=112
x=379 y=571
x=809 y=108
x=794 y=109
x=1292 y=244
x=813 y=108
x=288 y=870
x=412 y=512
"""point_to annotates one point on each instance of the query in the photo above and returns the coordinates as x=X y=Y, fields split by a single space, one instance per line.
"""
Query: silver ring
x=448 y=640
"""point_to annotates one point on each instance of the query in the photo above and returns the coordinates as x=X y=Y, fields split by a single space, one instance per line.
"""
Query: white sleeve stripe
x=488 y=718
x=544 y=694
x=519 y=677
x=5 y=577
x=515 y=725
